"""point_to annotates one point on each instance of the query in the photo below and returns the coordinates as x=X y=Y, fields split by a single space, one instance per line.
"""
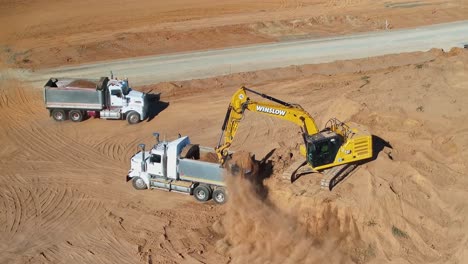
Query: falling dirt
x=256 y=231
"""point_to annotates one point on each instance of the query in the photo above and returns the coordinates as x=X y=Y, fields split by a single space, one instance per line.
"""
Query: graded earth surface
x=63 y=194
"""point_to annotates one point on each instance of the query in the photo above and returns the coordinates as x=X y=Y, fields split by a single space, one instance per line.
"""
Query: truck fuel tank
x=111 y=114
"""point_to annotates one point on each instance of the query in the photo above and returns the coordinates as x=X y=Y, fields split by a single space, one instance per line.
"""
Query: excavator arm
x=276 y=108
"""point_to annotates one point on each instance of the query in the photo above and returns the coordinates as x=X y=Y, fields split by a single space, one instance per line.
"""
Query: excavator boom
x=279 y=109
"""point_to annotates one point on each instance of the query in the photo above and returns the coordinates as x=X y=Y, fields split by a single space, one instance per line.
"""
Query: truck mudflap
x=128 y=178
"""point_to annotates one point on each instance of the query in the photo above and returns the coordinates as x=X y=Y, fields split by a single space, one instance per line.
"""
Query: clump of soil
x=241 y=163
x=209 y=157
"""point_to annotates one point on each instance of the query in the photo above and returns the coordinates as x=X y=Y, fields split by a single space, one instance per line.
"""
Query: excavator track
x=296 y=170
x=330 y=177
x=333 y=176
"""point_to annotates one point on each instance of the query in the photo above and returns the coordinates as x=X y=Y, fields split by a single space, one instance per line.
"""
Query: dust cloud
x=255 y=231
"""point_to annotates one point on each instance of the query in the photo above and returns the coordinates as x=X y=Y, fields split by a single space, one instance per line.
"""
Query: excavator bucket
x=242 y=164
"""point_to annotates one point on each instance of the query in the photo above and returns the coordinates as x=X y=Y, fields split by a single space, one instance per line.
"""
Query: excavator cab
x=323 y=147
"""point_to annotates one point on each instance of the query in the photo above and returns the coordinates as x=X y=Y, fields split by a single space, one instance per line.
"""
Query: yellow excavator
x=334 y=151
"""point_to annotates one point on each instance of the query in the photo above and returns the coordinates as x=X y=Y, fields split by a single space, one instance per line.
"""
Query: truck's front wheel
x=133 y=117
x=202 y=193
x=76 y=115
x=219 y=196
x=138 y=183
x=58 y=115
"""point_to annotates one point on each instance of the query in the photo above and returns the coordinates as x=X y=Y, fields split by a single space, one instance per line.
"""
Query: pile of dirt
x=209 y=157
x=82 y=84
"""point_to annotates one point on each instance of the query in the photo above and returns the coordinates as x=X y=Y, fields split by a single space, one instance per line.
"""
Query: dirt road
x=205 y=64
x=43 y=34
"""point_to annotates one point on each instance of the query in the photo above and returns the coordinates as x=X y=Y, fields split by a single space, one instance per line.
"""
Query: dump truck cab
x=121 y=96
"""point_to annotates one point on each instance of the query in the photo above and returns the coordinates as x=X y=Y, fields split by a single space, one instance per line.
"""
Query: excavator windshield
x=322 y=148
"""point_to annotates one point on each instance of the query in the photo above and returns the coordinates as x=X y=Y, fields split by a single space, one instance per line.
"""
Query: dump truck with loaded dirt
x=179 y=166
x=104 y=98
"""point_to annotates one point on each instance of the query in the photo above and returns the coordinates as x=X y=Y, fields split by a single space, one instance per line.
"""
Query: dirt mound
x=454 y=52
x=82 y=84
x=209 y=157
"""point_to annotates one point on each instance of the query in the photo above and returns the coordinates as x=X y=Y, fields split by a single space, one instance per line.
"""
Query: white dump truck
x=179 y=166
x=104 y=98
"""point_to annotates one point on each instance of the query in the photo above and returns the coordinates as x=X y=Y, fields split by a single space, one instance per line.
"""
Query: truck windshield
x=125 y=88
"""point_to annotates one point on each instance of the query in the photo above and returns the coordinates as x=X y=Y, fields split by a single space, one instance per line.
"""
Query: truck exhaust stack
x=156 y=135
x=143 y=164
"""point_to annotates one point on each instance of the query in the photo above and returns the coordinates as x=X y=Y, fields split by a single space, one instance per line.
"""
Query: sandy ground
x=63 y=195
x=64 y=198
x=41 y=33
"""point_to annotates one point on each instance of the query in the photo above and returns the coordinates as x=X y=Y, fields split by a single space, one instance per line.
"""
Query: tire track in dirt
x=60 y=210
x=4 y=102
x=14 y=210
x=290 y=4
x=117 y=149
x=3 y=212
x=52 y=148
x=14 y=94
x=44 y=210
x=113 y=150
x=55 y=145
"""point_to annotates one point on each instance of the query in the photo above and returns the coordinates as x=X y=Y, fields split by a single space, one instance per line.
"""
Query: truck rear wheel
x=58 y=115
x=76 y=115
x=219 y=196
x=133 y=117
x=202 y=193
x=138 y=183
